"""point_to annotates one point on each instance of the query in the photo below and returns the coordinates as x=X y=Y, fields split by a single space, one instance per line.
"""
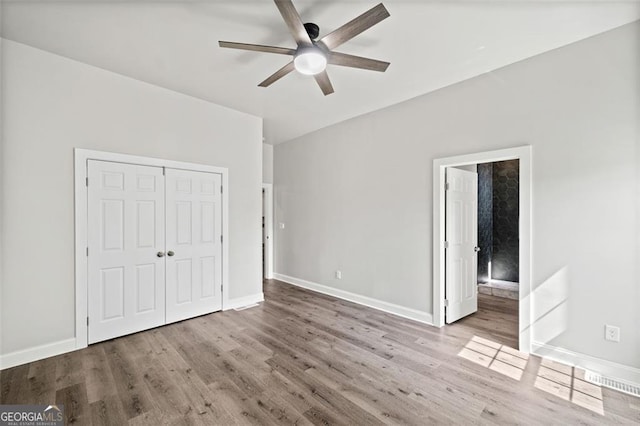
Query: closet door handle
x=160 y=254
x=170 y=253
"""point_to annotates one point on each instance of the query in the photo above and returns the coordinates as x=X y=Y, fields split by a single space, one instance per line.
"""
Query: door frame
x=81 y=157
x=267 y=211
x=522 y=153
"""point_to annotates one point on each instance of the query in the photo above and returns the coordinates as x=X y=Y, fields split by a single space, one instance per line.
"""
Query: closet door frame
x=81 y=158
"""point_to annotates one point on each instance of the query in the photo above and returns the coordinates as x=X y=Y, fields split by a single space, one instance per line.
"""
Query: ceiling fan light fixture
x=310 y=61
x=310 y=57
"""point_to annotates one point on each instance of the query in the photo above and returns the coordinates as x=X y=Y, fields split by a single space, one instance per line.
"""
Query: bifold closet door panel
x=126 y=236
x=193 y=243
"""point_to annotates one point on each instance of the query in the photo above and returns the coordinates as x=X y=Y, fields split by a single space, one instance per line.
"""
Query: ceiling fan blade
x=293 y=21
x=323 y=81
x=336 y=58
x=257 y=48
x=277 y=75
x=355 y=27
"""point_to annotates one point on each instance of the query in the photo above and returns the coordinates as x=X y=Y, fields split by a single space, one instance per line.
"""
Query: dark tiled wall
x=498 y=217
x=504 y=260
x=485 y=219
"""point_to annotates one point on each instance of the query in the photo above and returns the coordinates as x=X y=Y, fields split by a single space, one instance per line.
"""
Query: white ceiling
x=430 y=44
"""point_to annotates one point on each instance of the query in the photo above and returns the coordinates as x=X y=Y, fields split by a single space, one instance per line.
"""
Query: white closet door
x=126 y=288
x=194 y=248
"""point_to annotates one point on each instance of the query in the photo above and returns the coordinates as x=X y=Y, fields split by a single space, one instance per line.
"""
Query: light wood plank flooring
x=305 y=358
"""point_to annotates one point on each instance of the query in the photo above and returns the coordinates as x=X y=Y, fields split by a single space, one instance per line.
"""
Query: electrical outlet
x=612 y=333
x=281 y=225
x=338 y=275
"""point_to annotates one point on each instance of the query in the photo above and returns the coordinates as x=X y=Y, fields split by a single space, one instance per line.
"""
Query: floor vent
x=618 y=385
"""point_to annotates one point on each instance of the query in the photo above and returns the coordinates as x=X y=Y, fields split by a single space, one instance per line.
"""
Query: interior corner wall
x=1 y=169
x=267 y=163
x=357 y=196
x=53 y=105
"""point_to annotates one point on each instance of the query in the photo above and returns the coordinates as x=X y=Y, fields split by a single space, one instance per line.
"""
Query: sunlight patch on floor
x=568 y=383
x=495 y=356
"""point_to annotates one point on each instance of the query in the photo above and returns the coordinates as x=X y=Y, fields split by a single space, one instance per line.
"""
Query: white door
x=125 y=236
x=194 y=244
x=461 y=286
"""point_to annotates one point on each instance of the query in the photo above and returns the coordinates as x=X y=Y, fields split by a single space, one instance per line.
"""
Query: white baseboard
x=608 y=369
x=390 y=308
x=240 y=302
x=52 y=349
x=24 y=356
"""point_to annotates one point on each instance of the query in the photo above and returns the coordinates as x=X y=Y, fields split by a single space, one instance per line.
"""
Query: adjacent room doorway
x=463 y=256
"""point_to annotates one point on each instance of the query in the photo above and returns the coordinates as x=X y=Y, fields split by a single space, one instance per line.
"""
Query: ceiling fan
x=312 y=56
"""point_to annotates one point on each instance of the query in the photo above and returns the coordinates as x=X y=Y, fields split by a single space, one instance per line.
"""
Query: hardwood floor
x=306 y=358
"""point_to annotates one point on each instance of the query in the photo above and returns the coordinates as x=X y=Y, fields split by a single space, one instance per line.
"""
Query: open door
x=461 y=236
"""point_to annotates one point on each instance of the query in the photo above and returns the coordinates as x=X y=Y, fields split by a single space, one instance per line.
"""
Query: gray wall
x=1 y=169
x=51 y=105
x=357 y=196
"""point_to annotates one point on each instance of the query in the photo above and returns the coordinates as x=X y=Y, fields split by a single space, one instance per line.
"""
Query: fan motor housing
x=312 y=29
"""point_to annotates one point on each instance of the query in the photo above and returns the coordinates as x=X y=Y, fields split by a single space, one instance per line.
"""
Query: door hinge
x=446 y=186
x=86 y=181
x=163 y=171
x=221 y=239
x=446 y=303
x=446 y=244
x=87 y=320
x=87 y=251
x=221 y=287
x=221 y=189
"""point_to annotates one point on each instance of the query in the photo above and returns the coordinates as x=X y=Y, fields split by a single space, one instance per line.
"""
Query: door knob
x=476 y=249
x=160 y=254
x=170 y=253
